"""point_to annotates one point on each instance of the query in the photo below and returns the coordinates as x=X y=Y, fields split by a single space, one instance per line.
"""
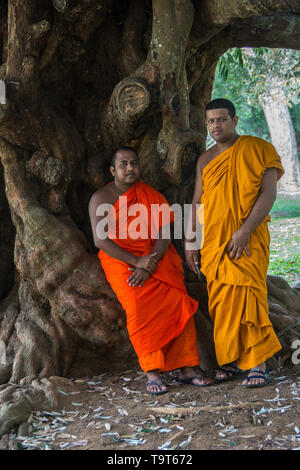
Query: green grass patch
x=285 y=207
x=288 y=268
x=285 y=248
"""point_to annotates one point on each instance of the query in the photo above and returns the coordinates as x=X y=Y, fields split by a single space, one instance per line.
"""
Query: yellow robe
x=237 y=289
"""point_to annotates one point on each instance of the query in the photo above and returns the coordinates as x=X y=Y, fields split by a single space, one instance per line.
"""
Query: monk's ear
x=112 y=170
x=235 y=120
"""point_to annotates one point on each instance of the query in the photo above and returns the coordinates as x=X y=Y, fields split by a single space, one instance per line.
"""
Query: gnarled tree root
x=18 y=402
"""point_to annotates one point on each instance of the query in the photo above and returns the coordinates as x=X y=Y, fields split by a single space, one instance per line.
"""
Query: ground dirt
x=113 y=412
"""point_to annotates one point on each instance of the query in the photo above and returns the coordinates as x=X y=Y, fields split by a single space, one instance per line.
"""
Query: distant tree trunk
x=283 y=136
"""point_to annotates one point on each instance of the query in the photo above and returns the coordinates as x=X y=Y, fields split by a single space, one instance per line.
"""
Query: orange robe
x=237 y=289
x=159 y=314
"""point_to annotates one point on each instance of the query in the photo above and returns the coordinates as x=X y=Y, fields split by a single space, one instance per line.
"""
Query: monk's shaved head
x=221 y=103
x=114 y=153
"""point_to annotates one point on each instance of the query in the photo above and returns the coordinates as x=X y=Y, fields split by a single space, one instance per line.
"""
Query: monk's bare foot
x=226 y=372
x=154 y=384
x=188 y=375
x=261 y=376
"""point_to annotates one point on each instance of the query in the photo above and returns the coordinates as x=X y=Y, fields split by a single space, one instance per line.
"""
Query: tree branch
x=218 y=12
x=78 y=21
x=160 y=84
x=172 y=22
x=23 y=43
x=212 y=16
x=271 y=31
x=132 y=54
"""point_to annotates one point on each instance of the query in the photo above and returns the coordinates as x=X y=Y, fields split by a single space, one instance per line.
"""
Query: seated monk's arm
x=147 y=262
x=163 y=241
x=140 y=276
x=260 y=210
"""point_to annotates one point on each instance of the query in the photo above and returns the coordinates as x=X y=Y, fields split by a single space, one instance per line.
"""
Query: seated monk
x=236 y=185
x=145 y=271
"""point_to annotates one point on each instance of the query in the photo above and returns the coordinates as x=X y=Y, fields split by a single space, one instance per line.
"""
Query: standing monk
x=145 y=271
x=236 y=186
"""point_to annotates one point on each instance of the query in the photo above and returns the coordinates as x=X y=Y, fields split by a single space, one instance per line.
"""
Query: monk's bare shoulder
x=206 y=157
x=103 y=195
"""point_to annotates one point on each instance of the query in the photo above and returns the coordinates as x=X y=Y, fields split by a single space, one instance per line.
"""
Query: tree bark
x=82 y=78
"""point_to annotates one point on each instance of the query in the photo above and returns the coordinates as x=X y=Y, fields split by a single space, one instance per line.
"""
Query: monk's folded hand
x=147 y=262
x=138 y=277
x=192 y=258
x=239 y=242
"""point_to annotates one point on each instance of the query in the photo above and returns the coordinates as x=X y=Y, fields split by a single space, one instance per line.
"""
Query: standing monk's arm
x=112 y=249
x=260 y=210
x=192 y=255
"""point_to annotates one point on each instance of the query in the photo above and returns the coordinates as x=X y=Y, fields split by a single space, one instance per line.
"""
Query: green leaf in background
x=243 y=74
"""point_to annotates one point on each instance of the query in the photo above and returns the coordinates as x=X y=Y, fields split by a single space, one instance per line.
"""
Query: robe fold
x=237 y=289
x=159 y=314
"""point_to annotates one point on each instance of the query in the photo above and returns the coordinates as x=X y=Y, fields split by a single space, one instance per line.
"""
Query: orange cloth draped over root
x=237 y=288
x=157 y=312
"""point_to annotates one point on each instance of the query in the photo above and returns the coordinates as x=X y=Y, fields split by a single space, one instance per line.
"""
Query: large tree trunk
x=82 y=78
x=283 y=136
